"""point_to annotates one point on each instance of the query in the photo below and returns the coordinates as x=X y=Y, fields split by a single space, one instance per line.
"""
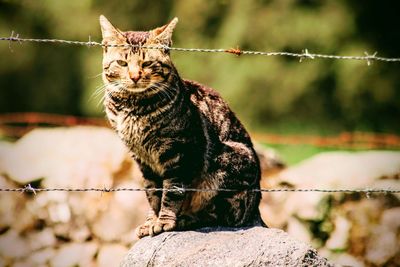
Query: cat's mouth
x=136 y=87
x=128 y=88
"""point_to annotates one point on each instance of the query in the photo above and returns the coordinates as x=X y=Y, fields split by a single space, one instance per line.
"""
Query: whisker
x=95 y=76
x=166 y=90
x=97 y=92
x=100 y=90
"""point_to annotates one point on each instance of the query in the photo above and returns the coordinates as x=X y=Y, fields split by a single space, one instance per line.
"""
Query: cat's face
x=131 y=70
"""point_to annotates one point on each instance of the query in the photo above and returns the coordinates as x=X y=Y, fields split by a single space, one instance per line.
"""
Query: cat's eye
x=147 y=64
x=122 y=63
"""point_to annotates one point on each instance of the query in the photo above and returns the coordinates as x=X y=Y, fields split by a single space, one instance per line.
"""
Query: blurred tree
x=274 y=93
x=32 y=77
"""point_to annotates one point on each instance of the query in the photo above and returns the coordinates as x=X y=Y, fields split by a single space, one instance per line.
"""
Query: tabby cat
x=181 y=133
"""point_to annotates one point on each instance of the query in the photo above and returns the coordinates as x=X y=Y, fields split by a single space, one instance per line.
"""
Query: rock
x=89 y=205
x=80 y=233
x=46 y=198
x=130 y=237
x=391 y=219
x=349 y=227
x=298 y=230
x=75 y=254
x=124 y=212
x=333 y=170
x=109 y=253
x=255 y=246
x=342 y=259
x=41 y=257
x=8 y=204
x=112 y=224
x=24 y=220
x=13 y=246
x=24 y=263
x=74 y=157
x=339 y=169
x=383 y=244
x=5 y=149
x=77 y=156
x=59 y=213
x=42 y=239
x=339 y=237
x=363 y=215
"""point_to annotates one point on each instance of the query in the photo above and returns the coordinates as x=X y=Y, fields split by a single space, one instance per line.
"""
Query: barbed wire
x=305 y=54
x=29 y=189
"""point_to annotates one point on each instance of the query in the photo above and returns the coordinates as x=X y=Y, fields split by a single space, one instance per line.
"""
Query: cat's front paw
x=166 y=222
x=162 y=226
x=144 y=229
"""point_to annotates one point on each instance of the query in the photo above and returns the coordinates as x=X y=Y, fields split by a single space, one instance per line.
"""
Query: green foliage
x=266 y=92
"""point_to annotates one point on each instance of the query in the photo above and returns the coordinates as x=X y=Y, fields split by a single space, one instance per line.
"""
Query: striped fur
x=181 y=133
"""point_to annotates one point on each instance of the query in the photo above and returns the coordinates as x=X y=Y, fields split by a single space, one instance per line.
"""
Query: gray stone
x=256 y=246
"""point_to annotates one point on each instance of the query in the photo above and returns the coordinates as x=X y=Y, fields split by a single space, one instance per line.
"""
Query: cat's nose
x=135 y=76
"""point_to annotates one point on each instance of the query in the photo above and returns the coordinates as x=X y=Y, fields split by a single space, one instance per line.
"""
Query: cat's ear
x=109 y=32
x=163 y=34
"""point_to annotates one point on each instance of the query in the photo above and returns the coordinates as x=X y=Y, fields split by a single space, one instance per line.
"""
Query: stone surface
x=384 y=242
x=67 y=228
x=256 y=246
x=41 y=239
x=344 y=227
x=78 y=156
x=75 y=254
x=12 y=245
x=41 y=257
x=109 y=253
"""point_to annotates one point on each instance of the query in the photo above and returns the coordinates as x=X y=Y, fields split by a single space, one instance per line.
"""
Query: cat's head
x=135 y=70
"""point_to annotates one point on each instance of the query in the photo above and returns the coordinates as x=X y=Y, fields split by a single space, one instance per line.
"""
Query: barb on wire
x=29 y=189
x=373 y=56
x=306 y=55
x=367 y=191
x=12 y=37
x=236 y=51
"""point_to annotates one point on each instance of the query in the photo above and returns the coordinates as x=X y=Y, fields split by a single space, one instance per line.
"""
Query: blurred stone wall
x=97 y=229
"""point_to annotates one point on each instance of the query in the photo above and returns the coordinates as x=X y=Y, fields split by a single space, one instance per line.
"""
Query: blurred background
x=299 y=109
x=274 y=94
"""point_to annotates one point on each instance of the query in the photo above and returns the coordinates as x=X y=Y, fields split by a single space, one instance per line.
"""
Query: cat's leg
x=154 y=198
x=193 y=219
x=171 y=205
x=241 y=166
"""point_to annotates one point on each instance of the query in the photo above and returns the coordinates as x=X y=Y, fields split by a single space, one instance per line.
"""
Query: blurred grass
x=293 y=154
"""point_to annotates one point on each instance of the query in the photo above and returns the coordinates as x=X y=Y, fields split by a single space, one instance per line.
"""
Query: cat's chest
x=139 y=135
x=131 y=129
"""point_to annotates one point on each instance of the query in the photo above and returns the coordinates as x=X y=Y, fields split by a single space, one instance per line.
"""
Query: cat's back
x=214 y=108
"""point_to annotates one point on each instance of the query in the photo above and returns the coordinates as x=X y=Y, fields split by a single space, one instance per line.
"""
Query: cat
x=181 y=133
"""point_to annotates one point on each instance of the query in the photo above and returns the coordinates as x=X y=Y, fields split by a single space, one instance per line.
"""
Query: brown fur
x=182 y=134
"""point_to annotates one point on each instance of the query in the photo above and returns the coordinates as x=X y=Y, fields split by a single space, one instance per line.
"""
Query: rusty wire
x=17 y=124
x=305 y=54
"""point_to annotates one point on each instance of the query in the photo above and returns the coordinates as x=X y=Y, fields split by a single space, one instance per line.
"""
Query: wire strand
x=30 y=189
x=302 y=56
